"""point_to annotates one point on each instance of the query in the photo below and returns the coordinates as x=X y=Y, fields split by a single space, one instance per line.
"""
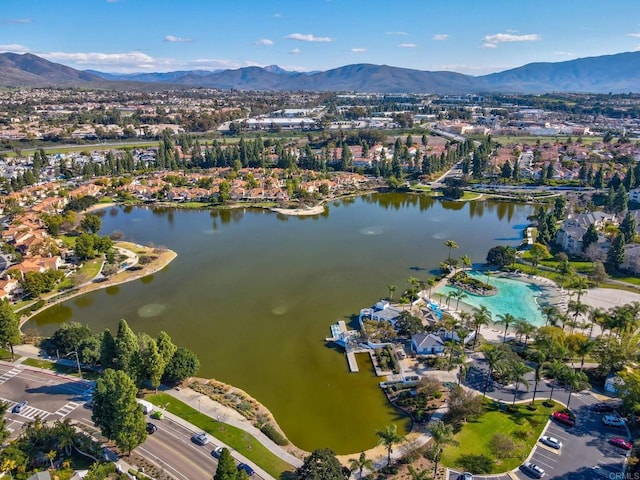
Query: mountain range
x=618 y=73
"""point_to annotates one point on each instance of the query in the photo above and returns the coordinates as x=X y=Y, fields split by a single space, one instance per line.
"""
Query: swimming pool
x=520 y=299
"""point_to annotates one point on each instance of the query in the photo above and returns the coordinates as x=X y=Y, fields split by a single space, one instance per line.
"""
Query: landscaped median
x=236 y=438
x=500 y=439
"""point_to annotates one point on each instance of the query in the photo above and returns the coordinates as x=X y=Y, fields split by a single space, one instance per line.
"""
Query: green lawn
x=89 y=269
x=237 y=439
x=523 y=426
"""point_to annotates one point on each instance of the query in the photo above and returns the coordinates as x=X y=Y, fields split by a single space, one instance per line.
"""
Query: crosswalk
x=5 y=377
x=66 y=409
x=28 y=412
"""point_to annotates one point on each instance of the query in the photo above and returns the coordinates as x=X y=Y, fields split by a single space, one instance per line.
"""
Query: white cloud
x=14 y=48
x=129 y=62
x=277 y=15
x=295 y=51
x=15 y=21
x=492 y=41
x=264 y=41
x=358 y=50
x=440 y=36
x=396 y=33
x=407 y=45
x=635 y=35
x=308 y=37
x=174 y=39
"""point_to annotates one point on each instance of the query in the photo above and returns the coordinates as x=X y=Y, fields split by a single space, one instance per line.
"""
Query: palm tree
x=391 y=288
x=575 y=380
x=466 y=261
x=550 y=313
x=583 y=348
x=554 y=370
x=360 y=464
x=450 y=294
x=414 y=287
x=458 y=295
x=441 y=435
x=51 y=455
x=389 y=437
x=538 y=374
x=431 y=283
x=492 y=356
x=526 y=329
x=597 y=316
x=507 y=319
x=577 y=308
x=517 y=373
x=452 y=348
x=481 y=317
x=451 y=244
x=8 y=464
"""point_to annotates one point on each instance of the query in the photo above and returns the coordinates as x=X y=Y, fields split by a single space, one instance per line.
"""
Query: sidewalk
x=227 y=415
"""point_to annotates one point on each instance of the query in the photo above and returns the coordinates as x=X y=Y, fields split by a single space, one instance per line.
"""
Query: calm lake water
x=253 y=294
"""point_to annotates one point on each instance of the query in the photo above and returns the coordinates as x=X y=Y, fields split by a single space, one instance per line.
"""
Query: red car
x=621 y=442
x=562 y=417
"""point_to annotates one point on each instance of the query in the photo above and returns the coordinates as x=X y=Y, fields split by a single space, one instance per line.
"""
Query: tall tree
x=360 y=463
x=615 y=256
x=183 y=364
x=322 y=464
x=91 y=223
x=480 y=317
x=389 y=437
x=554 y=370
x=226 y=469
x=126 y=347
x=590 y=237
x=492 y=356
x=441 y=435
x=628 y=227
x=154 y=365
x=450 y=244
x=9 y=326
x=116 y=411
x=166 y=347
x=107 y=350
x=506 y=319
x=517 y=372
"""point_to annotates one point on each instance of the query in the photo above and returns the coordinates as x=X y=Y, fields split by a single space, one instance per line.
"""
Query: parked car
x=532 y=470
x=621 y=442
x=465 y=476
x=20 y=406
x=246 y=468
x=216 y=452
x=564 y=418
x=151 y=428
x=551 y=442
x=603 y=408
x=200 y=439
x=613 y=421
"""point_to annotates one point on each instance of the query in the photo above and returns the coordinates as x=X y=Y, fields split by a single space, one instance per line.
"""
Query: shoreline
x=164 y=258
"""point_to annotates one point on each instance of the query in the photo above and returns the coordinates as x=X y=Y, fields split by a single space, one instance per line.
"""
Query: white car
x=532 y=469
x=613 y=421
x=551 y=442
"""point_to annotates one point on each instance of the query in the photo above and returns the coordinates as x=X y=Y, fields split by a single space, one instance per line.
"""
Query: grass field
x=522 y=425
x=237 y=439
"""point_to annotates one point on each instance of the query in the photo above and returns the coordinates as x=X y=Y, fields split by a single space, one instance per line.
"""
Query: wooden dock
x=353 y=363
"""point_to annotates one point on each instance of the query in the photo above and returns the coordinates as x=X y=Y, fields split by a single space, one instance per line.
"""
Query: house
x=428 y=344
x=383 y=311
x=631 y=260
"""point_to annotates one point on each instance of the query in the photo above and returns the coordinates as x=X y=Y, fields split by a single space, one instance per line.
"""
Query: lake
x=253 y=293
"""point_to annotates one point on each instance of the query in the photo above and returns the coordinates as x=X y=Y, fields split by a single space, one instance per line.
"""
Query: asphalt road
x=53 y=397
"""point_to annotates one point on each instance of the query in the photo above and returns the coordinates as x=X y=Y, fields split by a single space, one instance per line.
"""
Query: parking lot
x=586 y=452
x=49 y=396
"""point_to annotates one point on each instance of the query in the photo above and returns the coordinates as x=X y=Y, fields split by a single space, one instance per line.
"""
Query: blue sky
x=467 y=36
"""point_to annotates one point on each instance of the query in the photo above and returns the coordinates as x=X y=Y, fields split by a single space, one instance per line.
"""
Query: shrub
x=475 y=463
x=271 y=432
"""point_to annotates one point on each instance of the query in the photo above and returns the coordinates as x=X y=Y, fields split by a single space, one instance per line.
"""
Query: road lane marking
x=67 y=409
x=5 y=377
x=160 y=462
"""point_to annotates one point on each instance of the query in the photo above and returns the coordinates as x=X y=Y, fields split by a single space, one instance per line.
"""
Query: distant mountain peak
x=276 y=69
